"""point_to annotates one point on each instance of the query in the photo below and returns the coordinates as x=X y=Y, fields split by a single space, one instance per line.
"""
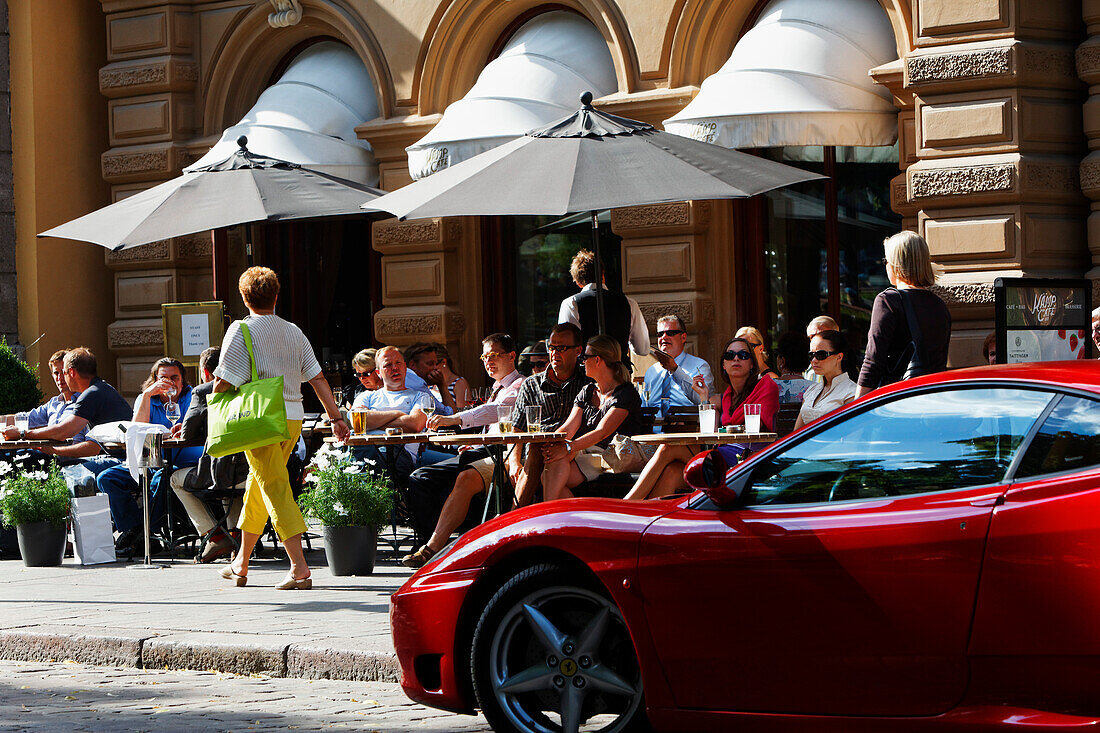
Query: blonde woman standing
x=910 y=326
x=279 y=349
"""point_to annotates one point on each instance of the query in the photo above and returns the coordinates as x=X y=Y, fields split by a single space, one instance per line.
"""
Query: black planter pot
x=41 y=544
x=350 y=550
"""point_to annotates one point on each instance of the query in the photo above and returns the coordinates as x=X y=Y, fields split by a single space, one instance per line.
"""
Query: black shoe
x=127 y=539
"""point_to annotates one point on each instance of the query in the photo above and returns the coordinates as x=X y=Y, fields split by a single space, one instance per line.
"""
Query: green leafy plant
x=29 y=495
x=19 y=390
x=345 y=492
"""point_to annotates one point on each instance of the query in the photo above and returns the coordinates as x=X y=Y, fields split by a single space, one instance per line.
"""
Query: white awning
x=800 y=77
x=537 y=79
x=309 y=116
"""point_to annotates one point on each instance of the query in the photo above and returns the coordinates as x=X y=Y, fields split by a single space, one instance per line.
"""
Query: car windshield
x=933 y=441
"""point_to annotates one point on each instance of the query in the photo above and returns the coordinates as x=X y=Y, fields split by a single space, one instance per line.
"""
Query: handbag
x=623 y=455
x=93 y=541
x=251 y=417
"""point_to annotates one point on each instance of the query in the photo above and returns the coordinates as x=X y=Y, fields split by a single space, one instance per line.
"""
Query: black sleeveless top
x=616 y=312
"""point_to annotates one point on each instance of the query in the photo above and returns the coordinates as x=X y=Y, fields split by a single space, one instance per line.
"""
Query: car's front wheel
x=553 y=655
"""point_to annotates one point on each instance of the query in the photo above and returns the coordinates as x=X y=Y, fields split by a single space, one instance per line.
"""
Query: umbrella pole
x=599 y=271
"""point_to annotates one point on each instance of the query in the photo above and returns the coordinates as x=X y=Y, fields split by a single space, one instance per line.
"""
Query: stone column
x=674 y=260
x=999 y=140
x=431 y=273
x=1088 y=68
x=151 y=82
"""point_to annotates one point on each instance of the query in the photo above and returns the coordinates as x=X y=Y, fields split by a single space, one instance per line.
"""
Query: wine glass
x=172 y=412
x=427 y=404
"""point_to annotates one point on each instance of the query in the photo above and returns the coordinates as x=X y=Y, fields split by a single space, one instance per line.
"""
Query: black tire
x=589 y=673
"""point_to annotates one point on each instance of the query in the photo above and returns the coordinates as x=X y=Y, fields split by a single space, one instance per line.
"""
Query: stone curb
x=274 y=656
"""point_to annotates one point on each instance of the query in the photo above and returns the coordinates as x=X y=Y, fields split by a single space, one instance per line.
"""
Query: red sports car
x=928 y=557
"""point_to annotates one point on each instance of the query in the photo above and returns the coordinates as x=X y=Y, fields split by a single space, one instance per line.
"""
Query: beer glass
x=359 y=420
x=504 y=418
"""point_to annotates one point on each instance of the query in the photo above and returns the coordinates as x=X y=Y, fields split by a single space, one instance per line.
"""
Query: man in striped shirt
x=554 y=390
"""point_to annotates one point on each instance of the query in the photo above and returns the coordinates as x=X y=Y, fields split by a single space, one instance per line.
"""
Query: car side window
x=1068 y=440
x=933 y=441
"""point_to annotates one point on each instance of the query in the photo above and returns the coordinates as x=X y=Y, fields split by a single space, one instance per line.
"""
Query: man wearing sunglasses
x=439 y=495
x=668 y=382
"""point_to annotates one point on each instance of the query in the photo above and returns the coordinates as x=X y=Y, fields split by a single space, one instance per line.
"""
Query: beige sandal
x=420 y=558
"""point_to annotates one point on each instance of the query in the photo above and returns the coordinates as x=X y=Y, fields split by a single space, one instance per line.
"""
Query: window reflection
x=1068 y=440
x=929 y=442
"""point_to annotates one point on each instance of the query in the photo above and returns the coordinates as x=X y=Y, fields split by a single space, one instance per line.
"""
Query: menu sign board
x=1042 y=320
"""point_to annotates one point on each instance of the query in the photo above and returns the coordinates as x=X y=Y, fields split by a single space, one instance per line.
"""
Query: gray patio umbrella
x=586 y=162
x=243 y=188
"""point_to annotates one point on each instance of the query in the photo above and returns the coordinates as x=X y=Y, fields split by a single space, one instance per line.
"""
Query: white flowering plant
x=343 y=491
x=32 y=493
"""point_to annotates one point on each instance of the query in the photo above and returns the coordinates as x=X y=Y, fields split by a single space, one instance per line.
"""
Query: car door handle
x=989 y=501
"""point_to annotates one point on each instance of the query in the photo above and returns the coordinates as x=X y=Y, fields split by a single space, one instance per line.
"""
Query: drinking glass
x=504 y=418
x=359 y=420
x=708 y=418
x=172 y=412
x=427 y=404
x=752 y=418
x=534 y=418
x=22 y=424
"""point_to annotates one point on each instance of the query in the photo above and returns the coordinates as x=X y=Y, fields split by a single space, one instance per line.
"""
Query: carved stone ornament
x=413 y=325
x=965 y=294
x=392 y=231
x=119 y=164
x=196 y=246
x=287 y=13
x=963 y=181
x=456 y=324
x=158 y=73
x=655 y=215
x=152 y=252
x=1051 y=179
x=1088 y=61
x=949 y=67
x=1055 y=63
x=653 y=310
x=1090 y=176
x=124 y=337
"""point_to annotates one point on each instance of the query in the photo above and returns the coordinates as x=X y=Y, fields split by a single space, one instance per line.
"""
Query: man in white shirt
x=623 y=320
x=671 y=377
x=440 y=495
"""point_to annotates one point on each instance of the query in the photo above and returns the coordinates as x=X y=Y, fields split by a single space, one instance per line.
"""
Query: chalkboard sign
x=1042 y=320
x=190 y=328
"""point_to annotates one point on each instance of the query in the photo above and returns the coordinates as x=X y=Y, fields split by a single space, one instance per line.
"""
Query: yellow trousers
x=268 y=492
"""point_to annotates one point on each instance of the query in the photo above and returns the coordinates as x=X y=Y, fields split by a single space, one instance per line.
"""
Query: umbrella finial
x=243 y=142
x=586 y=99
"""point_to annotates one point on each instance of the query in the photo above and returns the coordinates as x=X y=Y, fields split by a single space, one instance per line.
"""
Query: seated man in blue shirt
x=398 y=406
x=670 y=378
x=166 y=383
x=422 y=373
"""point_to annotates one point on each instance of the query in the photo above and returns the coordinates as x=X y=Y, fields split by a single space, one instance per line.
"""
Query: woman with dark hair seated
x=827 y=354
x=606 y=407
x=664 y=474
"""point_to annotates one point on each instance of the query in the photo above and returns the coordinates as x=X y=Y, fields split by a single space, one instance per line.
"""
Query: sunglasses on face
x=669 y=332
x=822 y=354
x=559 y=348
x=586 y=357
x=539 y=364
x=731 y=355
x=362 y=375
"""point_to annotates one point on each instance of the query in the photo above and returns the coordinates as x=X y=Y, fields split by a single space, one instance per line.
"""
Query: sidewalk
x=187 y=617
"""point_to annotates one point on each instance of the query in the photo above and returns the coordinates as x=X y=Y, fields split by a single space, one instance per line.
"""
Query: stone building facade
x=992 y=96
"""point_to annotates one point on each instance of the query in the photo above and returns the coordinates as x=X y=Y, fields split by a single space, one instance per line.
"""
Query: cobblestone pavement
x=67 y=697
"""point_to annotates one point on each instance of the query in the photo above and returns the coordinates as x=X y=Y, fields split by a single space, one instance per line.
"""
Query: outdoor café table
x=705 y=439
x=11 y=446
x=496 y=443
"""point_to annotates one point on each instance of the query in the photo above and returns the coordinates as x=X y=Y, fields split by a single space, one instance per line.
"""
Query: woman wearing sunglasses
x=664 y=474
x=827 y=351
x=606 y=408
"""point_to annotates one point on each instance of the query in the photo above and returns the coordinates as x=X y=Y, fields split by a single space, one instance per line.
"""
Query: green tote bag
x=251 y=417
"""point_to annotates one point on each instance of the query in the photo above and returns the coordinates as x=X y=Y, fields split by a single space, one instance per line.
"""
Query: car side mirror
x=710 y=473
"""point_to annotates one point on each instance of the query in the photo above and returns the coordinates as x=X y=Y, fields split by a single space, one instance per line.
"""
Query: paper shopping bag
x=93 y=541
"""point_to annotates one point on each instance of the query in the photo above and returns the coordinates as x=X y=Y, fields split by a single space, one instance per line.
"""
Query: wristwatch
x=22 y=434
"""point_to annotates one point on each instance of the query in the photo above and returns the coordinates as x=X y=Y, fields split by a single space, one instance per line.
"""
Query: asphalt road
x=67 y=697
